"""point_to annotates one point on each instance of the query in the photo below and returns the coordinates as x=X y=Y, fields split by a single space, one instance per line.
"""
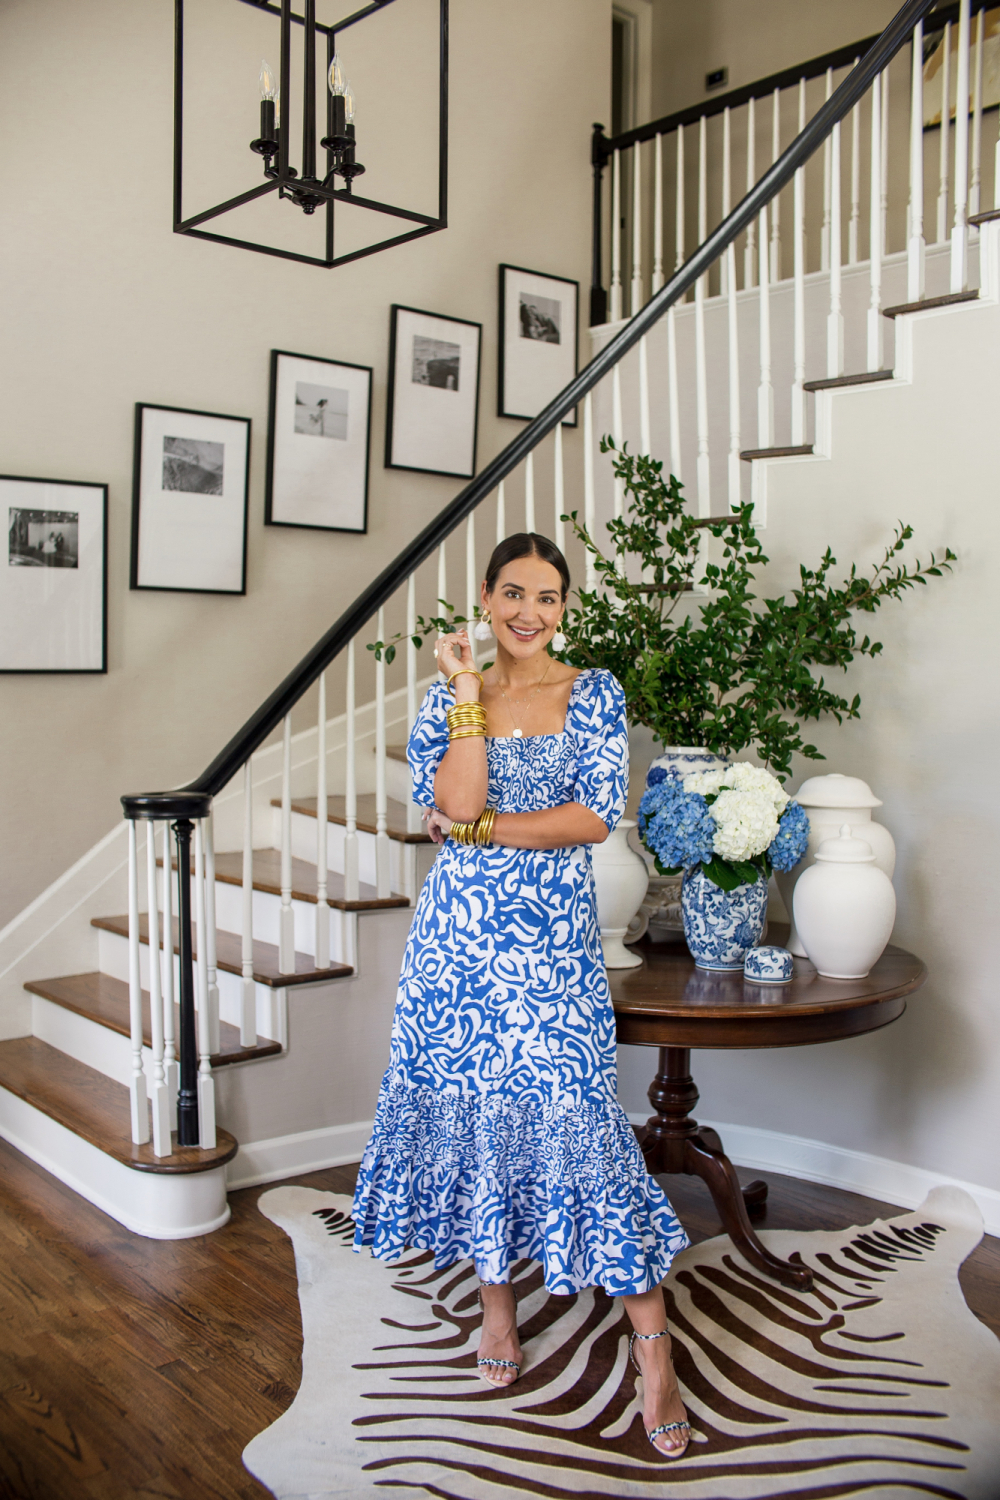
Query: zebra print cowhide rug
x=879 y=1382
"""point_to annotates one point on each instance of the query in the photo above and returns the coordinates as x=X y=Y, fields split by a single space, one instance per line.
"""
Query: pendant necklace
x=518 y=731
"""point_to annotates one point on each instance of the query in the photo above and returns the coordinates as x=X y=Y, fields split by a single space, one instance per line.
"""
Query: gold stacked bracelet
x=466 y=721
x=480 y=832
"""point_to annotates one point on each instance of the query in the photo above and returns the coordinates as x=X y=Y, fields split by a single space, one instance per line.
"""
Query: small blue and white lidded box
x=768 y=966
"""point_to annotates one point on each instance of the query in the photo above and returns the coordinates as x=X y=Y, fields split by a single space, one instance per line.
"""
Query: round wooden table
x=668 y=1003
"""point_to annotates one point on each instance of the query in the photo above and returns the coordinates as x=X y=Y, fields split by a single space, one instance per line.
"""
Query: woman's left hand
x=438 y=826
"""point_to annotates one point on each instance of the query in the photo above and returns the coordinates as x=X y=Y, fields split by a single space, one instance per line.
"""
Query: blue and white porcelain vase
x=720 y=927
x=683 y=759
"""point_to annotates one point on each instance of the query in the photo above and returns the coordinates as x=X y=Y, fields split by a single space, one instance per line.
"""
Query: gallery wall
x=105 y=307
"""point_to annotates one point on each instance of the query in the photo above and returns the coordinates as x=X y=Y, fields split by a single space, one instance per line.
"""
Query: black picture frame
x=280 y=503
x=523 y=393
x=11 y=648
x=161 y=556
x=407 y=437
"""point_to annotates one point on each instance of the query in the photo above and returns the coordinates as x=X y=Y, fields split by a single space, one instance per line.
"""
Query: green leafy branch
x=445 y=624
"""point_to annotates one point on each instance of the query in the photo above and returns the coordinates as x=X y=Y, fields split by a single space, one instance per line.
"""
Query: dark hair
x=525 y=544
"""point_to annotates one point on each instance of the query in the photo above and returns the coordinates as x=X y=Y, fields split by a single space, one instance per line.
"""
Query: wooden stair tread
x=395 y=821
x=94 y=1107
x=267 y=877
x=103 y=999
x=864 y=377
x=799 y=451
x=925 y=302
x=228 y=952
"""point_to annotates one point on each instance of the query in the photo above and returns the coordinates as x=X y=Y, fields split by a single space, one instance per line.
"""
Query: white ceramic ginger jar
x=830 y=801
x=844 y=907
x=620 y=880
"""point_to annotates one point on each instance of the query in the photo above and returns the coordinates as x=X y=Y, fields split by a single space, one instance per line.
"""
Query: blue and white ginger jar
x=720 y=927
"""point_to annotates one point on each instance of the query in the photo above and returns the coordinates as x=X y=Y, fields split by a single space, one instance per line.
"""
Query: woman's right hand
x=453 y=654
x=438 y=824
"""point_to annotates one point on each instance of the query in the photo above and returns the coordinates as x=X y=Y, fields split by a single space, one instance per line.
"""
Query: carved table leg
x=674 y=1143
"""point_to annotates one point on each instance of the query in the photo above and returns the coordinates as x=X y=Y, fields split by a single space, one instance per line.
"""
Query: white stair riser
x=398 y=784
x=400 y=854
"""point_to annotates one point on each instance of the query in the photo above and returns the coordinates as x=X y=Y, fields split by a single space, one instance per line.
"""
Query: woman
x=498 y=1134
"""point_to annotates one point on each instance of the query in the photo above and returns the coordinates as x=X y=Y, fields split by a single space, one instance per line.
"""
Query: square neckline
x=556 y=734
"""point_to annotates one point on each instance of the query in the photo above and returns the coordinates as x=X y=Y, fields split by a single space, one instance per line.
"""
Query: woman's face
x=526 y=606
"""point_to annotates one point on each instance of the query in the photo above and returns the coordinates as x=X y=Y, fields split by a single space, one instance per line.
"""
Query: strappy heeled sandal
x=500 y=1364
x=664 y=1426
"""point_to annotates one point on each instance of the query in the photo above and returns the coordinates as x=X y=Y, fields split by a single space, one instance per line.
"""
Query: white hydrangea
x=748 y=803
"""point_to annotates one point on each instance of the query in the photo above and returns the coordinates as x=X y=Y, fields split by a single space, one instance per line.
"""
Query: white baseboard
x=856 y=1171
x=291 y=1155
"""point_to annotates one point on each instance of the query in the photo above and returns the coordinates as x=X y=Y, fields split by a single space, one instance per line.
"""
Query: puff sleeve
x=598 y=725
x=425 y=749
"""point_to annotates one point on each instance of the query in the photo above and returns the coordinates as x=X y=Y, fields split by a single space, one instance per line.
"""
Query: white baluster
x=636 y=290
x=617 y=431
x=701 y=372
x=875 y=228
x=673 y=396
x=351 y=886
x=835 y=318
x=286 y=928
x=471 y=577
x=248 y=993
x=942 y=204
x=749 y=256
x=915 y=247
x=559 y=493
x=616 y=237
x=529 y=492
x=854 y=228
x=137 y=1087
x=765 y=391
x=442 y=575
x=658 y=213
x=824 y=238
x=727 y=189
x=211 y=941
x=960 y=228
x=382 y=846
x=411 y=653
x=160 y=1099
x=799 y=292
x=975 y=187
x=322 y=814
x=589 y=501
x=501 y=514
x=679 y=203
x=735 y=478
x=884 y=167
x=170 y=1069
x=206 y=1083
x=645 y=439
x=776 y=200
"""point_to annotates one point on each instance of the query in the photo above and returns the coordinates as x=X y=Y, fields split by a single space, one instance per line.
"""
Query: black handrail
x=274 y=709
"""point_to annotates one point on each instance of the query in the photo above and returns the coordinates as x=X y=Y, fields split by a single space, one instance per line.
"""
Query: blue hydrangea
x=792 y=838
x=676 y=825
x=656 y=775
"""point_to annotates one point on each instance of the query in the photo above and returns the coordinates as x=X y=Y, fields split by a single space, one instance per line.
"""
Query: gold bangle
x=484 y=827
x=462 y=711
x=462 y=672
x=461 y=833
x=456 y=720
x=472 y=733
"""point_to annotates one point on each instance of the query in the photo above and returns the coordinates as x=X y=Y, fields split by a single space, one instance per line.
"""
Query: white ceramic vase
x=831 y=801
x=620 y=880
x=844 y=907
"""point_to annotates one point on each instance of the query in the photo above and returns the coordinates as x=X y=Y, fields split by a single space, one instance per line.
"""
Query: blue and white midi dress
x=498 y=1133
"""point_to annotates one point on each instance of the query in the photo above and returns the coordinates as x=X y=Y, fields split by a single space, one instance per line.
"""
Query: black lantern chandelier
x=313 y=184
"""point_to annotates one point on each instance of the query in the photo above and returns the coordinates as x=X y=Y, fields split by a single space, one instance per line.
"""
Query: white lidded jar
x=844 y=907
x=831 y=801
x=620 y=882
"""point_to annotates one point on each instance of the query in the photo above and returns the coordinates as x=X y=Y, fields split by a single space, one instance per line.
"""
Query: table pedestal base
x=674 y=1142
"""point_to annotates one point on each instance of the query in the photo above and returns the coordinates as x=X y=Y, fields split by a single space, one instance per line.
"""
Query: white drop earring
x=559 y=642
x=483 y=629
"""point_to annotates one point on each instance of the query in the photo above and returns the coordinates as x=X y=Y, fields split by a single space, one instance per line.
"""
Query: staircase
x=155 y=1076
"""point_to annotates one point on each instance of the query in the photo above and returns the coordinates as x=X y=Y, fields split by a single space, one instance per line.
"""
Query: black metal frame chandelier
x=307 y=187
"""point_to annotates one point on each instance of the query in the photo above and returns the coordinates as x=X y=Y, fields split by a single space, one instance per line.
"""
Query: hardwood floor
x=132 y=1367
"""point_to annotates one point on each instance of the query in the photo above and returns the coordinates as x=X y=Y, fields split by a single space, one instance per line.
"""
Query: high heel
x=664 y=1426
x=501 y=1364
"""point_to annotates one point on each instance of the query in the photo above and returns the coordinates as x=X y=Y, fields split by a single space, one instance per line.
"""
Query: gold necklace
x=518 y=731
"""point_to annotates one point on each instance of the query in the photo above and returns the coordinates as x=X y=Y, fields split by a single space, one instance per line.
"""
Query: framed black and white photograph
x=433 y=406
x=318 y=438
x=54 y=588
x=189 y=501
x=539 y=337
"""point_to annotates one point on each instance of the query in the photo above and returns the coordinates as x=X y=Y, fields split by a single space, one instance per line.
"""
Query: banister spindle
x=824 y=236
x=645 y=440
x=211 y=956
x=835 y=317
x=679 y=235
x=942 y=202
x=960 y=228
x=875 y=233
x=286 y=929
x=975 y=185
x=673 y=396
x=351 y=879
x=915 y=246
x=411 y=653
x=187 y=1094
x=137 y=1086
x=727 y=191
x=854 y=227
x=776 y=200
x=799 y=291
x=169 y=1038
x=765 y=390
x=749 y=251
x=529 y=492
x=883 y=215
x=637 y=278
x=382 y=848
x=206 y=1083
x=558 y=490
x=471 y=576
x=442 y=583
x=589 y=500
x=657 y=214
x=701 y=370
x=322 y=815
x=160 y=1098
x=501 y=513
x=616 y=236
x=735 y=478
x=617 y=432
x=248 y=992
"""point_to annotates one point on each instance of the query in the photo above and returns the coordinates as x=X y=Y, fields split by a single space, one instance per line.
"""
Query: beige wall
x=104 y=307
